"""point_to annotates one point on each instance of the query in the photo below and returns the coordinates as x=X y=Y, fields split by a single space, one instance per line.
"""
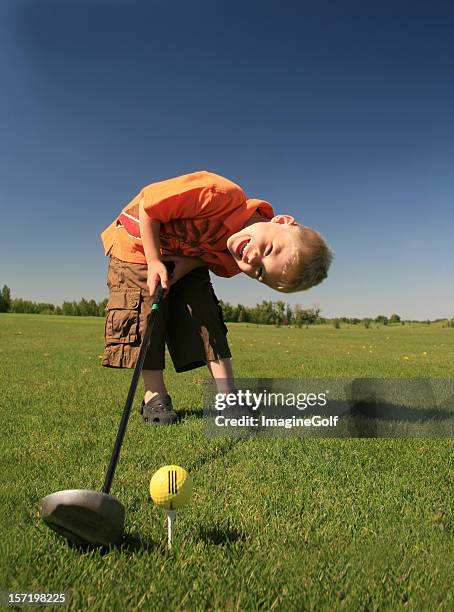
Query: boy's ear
x=284 y=220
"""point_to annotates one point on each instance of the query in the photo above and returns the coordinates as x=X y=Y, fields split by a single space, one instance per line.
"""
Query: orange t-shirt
x=198 y=212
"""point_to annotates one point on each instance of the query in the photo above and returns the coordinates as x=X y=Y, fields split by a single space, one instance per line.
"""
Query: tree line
x=83 y=308
x=266 y=313
x=271 y=313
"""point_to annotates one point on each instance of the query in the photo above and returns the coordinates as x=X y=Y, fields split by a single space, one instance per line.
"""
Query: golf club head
x=84 y=517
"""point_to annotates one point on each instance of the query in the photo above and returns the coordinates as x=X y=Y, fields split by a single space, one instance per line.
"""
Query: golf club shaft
x=132 y=389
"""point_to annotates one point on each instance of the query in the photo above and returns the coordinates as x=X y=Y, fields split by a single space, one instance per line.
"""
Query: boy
x=199 y=221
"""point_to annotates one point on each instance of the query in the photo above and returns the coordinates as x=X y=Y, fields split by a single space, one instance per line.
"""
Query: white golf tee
x=170 y=521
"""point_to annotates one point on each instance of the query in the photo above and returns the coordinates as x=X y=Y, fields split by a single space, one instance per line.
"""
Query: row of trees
x=266 y=313
x=271 y=313
x=380 y=320
x=280 y=313
x=83 y=308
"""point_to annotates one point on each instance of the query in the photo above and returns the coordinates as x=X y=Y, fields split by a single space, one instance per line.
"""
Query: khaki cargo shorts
x=189 y=320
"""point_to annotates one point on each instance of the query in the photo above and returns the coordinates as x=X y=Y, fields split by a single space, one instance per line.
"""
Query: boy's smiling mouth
x=239 y=251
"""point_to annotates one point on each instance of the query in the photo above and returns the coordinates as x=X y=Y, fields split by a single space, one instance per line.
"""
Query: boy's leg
x=153 y=381
x=127 y=312
x=197 y=334
x=128 y=308
x=222 y=372
x=206 y=310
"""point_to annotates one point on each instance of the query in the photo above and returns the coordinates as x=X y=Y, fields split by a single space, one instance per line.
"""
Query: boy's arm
x=157 y=272
x=149 y=231
x=183 y=265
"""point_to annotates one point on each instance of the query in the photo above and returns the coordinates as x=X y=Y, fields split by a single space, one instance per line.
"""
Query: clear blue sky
x=340 y=113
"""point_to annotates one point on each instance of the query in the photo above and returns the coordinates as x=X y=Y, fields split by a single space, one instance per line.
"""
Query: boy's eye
x=268 y=250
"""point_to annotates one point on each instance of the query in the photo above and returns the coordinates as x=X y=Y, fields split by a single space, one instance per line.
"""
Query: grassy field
x=274 y=524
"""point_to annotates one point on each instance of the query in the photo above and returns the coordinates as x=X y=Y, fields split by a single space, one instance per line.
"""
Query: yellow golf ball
x=170 y=487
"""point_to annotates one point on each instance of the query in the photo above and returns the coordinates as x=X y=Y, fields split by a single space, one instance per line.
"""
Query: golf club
x=96 y=518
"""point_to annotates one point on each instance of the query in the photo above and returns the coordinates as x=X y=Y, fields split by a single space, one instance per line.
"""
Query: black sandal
x=158 y=410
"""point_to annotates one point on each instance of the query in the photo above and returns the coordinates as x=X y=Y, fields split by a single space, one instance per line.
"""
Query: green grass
x=282 y=524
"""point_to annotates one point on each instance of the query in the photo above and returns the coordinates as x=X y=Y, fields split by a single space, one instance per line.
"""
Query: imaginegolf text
x=287 y=423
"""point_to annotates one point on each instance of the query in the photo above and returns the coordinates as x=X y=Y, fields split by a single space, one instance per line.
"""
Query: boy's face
x=262 y=249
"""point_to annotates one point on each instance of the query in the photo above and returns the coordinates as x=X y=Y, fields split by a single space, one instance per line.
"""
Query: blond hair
x=308 y=264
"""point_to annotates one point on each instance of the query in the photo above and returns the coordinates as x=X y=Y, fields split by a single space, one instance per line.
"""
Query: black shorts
x=189 y=320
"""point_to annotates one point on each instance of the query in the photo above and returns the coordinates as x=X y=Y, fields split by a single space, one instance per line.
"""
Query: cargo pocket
x=122 y=321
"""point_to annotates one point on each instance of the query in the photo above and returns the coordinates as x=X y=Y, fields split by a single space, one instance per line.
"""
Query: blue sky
x=340 y=113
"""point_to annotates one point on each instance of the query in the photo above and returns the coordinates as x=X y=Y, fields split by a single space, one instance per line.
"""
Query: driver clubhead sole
x=84 y=517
